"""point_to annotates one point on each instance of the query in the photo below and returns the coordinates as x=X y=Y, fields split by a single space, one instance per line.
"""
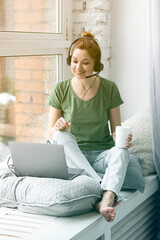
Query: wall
x=95 y=16
x=130 y=57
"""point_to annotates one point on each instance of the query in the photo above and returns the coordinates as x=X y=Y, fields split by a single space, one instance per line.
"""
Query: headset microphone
x=92 y=75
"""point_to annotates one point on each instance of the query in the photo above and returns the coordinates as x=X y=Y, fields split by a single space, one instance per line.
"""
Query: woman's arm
x=54 y=115
x=56 y=122
x=115 y=118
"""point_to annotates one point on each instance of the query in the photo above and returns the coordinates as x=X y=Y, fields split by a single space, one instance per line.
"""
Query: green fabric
x=89 y=119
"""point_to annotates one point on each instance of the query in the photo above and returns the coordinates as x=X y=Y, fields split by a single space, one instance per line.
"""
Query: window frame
x=14 y=44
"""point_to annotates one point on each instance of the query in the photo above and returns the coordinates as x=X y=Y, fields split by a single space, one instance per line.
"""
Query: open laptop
x=41 y=160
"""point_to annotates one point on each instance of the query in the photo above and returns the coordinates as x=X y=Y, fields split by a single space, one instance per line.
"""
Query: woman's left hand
x=128 y=140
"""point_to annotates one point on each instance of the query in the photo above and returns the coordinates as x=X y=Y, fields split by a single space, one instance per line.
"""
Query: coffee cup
x=122 y=133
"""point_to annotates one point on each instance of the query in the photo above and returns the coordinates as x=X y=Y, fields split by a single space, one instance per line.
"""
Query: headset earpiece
x=98 y=67
x=69 y=60
x=101 y=66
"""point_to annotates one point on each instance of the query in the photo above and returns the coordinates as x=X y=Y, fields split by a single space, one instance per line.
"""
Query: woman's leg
x=73 y=154
x=115 y=161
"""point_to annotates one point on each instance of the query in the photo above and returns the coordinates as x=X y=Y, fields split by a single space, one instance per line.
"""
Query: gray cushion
x=49 y=196
x=134 y=177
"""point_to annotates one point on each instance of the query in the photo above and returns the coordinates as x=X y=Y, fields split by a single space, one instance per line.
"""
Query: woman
x=80 y=110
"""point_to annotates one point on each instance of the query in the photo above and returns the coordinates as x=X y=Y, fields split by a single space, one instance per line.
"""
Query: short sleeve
x=116 y=99
x=54 y=98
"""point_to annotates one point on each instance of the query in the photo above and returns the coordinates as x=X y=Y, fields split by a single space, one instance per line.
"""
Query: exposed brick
x=23 y=97
x=28 y=131
x=23 y=139
x=22 y=27
x=22 y=74
x=50 y=76
x=46 y=98
x=29 y=86
x=38 y=98
x=38 y=27
x=46 y=109
x=30 y=17
x=38 y=140
x=21 y=5
x=28 y=108
x=30 y=139
x=39 y=4
x=23 y=119
x=37 y=75
x=31 y=63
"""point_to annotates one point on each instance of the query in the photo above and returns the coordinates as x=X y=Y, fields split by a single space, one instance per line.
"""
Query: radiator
x=140 y=224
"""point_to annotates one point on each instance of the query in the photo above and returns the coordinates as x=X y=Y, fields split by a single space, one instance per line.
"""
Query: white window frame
x=34 y=44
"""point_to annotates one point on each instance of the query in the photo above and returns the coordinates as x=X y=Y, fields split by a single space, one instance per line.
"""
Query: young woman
x=80 y=109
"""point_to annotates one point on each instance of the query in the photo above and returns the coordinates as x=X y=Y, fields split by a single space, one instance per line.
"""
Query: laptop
x=41 y=160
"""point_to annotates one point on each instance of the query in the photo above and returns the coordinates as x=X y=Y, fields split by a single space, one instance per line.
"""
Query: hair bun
x=88 y=34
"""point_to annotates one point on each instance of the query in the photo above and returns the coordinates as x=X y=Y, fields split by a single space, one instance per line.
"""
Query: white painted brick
x=100 y=17
x=78 y=28
x=80 y=17
x=90 y=4
x=96 y=17
x=105 y=5
x=77 y=5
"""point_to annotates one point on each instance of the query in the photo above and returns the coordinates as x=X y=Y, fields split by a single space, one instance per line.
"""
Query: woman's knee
x=62 y=137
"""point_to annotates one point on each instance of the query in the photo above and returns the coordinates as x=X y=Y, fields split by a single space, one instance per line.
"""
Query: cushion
x=134 y=176
x=49 y=196
x=142 y=144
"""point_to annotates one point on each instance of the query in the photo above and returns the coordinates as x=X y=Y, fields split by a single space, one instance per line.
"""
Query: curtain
x=154 y=71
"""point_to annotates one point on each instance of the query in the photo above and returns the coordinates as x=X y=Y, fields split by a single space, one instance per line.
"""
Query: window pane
x=25 y=83
x=30 y=15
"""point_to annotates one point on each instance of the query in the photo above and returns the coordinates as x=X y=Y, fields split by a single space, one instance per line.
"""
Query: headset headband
x=69 y=50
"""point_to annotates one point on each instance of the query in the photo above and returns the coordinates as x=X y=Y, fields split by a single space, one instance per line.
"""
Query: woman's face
x=82 y=65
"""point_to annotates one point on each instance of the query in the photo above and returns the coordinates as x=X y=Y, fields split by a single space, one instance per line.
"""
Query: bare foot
x=108 y=213
x=105 y=206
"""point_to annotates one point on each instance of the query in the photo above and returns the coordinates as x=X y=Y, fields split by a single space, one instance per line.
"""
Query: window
x=31 y=16
x=34 y=36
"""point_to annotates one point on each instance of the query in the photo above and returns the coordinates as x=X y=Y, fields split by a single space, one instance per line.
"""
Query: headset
x=98 y=65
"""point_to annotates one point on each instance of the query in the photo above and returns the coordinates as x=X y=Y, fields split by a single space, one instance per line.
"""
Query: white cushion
x=49 y=196
x=142 y=144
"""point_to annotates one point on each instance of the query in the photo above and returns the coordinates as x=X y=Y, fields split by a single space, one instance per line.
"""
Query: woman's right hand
x=61 y=124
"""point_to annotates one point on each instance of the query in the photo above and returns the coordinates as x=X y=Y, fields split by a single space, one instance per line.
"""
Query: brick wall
x=30 y=16
x=95 y=16
x=34 y=78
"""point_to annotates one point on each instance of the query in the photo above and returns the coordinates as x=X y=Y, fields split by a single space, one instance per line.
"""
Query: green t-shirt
x=89 y=119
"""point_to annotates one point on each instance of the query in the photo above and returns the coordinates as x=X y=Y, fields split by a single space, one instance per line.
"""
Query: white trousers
x=107 y=167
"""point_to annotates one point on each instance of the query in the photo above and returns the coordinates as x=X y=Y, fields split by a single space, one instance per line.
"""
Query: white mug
x=122 y=133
